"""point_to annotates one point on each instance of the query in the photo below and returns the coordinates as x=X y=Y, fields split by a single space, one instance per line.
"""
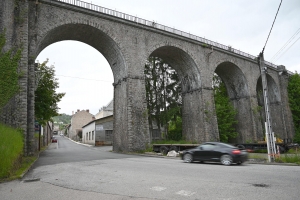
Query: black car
x=215 y=152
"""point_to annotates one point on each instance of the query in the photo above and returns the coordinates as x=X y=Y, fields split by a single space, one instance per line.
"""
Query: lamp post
x=268 y=123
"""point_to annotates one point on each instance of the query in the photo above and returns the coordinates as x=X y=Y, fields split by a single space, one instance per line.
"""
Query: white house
x=98 y=132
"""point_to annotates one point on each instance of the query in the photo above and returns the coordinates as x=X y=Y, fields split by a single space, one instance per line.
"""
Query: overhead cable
x=84 y=78
x=285 y=45
x=287 y=49
x=271 y=27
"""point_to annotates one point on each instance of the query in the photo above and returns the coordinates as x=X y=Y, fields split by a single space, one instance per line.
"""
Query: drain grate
x=260 y=185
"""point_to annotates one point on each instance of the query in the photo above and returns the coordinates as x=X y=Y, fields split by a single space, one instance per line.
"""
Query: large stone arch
x=90 y=35
x=238 y=92
x=196 y=126
x=275 y=107
x=129 y=126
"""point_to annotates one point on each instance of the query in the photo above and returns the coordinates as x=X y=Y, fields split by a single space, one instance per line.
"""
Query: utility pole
x=268 y=124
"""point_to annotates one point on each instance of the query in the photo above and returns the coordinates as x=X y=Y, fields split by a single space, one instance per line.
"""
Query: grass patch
x=257 y=156
x=294 y=151
x=289 y=158
x=149 y=148
x=11 y=148
x=25 y=165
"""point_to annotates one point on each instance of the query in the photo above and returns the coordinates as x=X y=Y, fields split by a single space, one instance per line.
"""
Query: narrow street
x=72 y=171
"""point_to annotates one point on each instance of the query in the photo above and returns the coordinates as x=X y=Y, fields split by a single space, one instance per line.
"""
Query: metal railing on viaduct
x=153 y=24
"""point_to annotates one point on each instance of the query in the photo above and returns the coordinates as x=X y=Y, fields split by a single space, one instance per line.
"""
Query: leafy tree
x=163 y=94
x=225 y=111
x=294 y=100
x=9 y=75
x=46 y=98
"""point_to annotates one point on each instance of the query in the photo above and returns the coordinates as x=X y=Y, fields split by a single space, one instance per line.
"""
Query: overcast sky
x=242 y=24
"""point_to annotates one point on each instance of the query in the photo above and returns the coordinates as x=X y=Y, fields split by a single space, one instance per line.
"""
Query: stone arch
x=195 y=128
x=88 y=34
x=273 y=91
x=234 y=79
x=274 y=99
x=238 y=92
x=182 y=62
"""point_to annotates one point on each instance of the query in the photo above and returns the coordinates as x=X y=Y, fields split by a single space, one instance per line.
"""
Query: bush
x=293 y=158
x=11 y=148
x=174 y=135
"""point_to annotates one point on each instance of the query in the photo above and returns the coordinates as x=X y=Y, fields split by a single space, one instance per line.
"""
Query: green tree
x=163 y=94
x=294 y=100
x=46 y=98
x=9 y=75
x=225 y=111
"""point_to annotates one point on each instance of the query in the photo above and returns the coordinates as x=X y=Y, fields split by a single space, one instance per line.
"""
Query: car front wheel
x=188 y=158
x=226 y=159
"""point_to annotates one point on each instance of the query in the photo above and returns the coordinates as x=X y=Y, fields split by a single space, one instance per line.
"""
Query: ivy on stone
x=9 y=75
x=294 y=101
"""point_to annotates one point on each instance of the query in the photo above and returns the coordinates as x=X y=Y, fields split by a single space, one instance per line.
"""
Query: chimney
x=78 y=110
x=72 y=112
x=87 y=110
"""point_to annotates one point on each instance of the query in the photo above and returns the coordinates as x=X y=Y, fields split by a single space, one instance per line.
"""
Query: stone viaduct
x=127 y=42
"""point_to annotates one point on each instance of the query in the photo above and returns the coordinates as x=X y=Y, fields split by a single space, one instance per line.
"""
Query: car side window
x=207 y=146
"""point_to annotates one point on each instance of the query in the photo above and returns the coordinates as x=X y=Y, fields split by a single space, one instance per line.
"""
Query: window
x=92 y=135
x=108 y=135
x=89 y=135
x=86 y=137
x=207 y=146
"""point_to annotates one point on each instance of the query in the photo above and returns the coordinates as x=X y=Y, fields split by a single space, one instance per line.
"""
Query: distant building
x=106 y=110
x=79 y=119
x=98 y=132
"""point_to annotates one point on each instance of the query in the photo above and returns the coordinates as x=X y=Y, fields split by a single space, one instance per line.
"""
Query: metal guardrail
x=153 y=24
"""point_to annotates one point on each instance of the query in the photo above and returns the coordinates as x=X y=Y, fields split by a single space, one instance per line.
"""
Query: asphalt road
x=72 y=171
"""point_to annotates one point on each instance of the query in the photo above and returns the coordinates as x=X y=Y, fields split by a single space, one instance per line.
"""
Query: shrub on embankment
x=11 y=150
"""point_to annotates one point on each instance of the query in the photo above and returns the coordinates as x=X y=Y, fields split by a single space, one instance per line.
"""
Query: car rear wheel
x=188 y=158
x=226 y=159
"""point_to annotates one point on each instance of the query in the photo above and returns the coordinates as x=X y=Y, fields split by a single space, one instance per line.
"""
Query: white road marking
x=185 y=193
x=157 y=188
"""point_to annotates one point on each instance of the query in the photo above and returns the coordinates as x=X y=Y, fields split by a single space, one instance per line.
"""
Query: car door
x=208 y=150
x=216 y=153
x=203 y=152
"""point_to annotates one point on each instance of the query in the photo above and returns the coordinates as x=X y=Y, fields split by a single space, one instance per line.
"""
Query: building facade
x=98 y=132
x=78 y=120
x=106 y=110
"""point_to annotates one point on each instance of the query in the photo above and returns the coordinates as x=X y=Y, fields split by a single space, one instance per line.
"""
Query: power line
x=84 y=78
x=271 y=27
x=285 y=45
x=287 y=49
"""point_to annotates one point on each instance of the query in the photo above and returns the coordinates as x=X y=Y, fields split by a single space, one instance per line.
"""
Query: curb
x=249 y=161
x=88 y=145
